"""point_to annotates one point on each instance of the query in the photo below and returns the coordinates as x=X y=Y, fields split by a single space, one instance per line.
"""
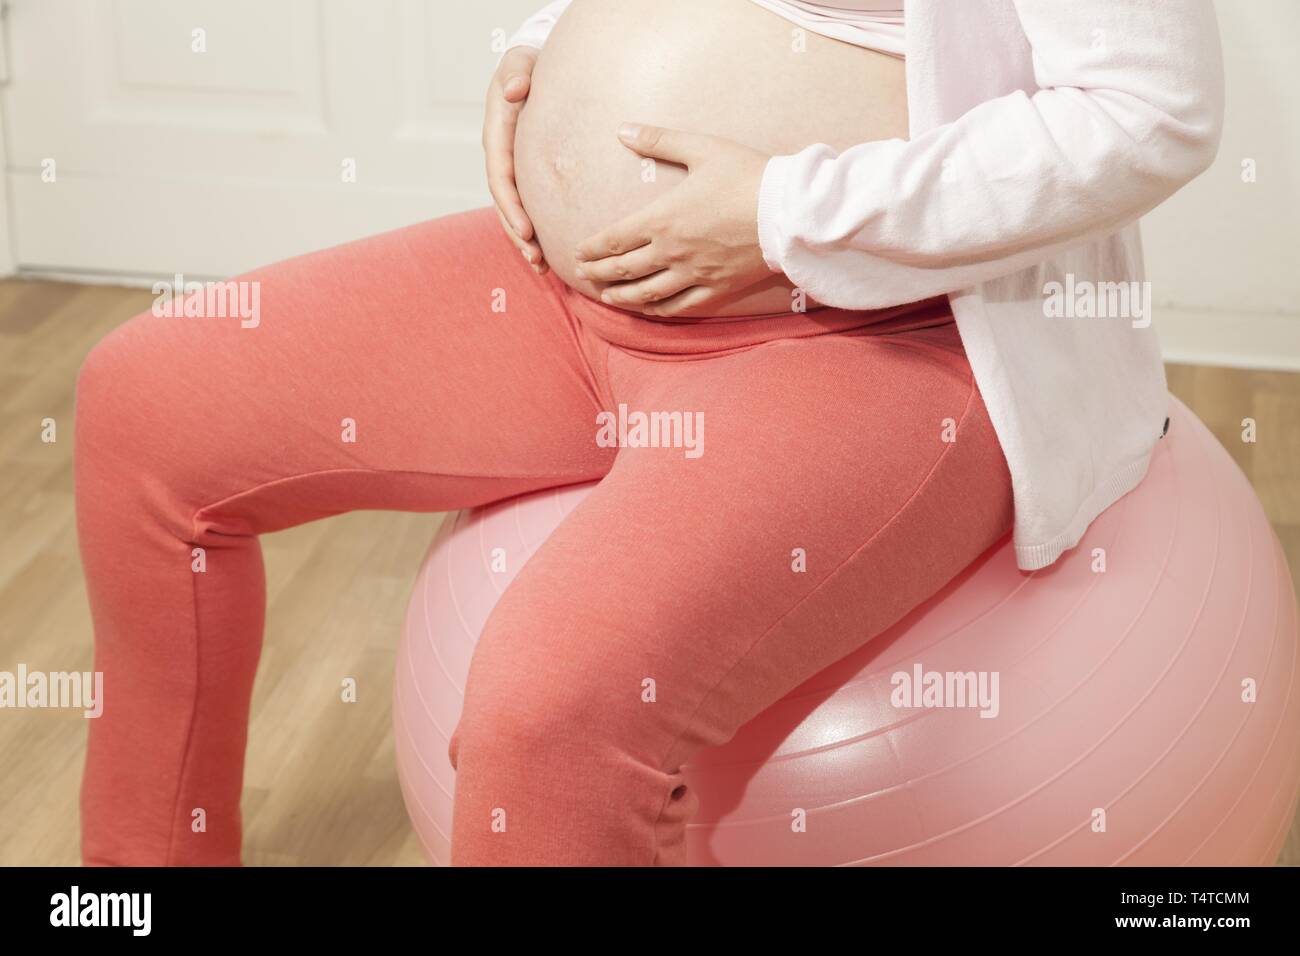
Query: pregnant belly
x=725 y=67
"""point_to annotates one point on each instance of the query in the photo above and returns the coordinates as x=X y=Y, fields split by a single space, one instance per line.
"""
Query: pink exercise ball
x=1149 y=713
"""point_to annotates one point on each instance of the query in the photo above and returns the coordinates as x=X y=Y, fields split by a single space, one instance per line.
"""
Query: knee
x=130 y=403
x=95 y=418
x=108 y=383
x=556 y=713
x=94 y=378
x=139 y=391
x=556 y=731
x=546 y=725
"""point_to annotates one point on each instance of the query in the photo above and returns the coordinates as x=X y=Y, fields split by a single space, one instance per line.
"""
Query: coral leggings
x=848 y=471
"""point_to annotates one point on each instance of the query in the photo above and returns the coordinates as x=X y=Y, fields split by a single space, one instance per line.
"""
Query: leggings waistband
x=635 y=332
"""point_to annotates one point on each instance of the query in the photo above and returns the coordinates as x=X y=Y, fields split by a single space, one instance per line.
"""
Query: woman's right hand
x=505 y=101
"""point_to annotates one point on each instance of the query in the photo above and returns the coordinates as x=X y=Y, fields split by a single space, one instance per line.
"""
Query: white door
x=146 y=137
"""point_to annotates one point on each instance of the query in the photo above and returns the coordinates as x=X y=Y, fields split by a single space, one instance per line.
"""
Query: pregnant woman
x=828 y=241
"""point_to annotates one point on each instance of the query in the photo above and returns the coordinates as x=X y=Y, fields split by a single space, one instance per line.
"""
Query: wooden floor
x=321 y=786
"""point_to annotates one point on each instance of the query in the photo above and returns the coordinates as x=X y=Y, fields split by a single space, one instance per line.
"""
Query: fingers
x=499 y=154
x=632 y=265
x=515 y=79
x=672 y=145
x=631 y=233
x=500 y=121
x=659 y=286
x=501 y=183
x=516 y=86
x=686 y=302
x=505 y=194
x=530 y=250
x=515 y=73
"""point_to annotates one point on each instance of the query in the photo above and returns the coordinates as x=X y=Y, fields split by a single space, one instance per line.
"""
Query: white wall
x=1223 y=255
x=208 y=137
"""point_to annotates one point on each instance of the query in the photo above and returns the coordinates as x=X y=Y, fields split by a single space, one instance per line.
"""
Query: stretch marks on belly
x=727 y=68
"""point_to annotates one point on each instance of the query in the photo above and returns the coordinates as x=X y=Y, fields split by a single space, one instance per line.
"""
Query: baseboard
x=92 y=277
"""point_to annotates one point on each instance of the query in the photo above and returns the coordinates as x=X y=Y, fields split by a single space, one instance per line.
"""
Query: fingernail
x=629 y=131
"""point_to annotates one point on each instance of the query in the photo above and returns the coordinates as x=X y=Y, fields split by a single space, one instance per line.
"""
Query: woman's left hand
x=693 y=245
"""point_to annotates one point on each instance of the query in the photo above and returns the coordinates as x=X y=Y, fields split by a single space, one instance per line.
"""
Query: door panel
x=147 y=137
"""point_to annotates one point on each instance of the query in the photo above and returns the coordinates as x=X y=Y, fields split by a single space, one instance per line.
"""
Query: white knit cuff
x=770 y=191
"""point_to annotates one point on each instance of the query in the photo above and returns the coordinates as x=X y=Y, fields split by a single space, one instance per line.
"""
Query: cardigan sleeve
x=1128 y=108
x=534 y=31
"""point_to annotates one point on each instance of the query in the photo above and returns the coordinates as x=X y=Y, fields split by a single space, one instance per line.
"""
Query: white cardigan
x=1040 y=130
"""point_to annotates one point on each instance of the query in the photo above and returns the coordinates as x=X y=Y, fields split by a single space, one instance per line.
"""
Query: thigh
x=432 y=350
x=840 y=481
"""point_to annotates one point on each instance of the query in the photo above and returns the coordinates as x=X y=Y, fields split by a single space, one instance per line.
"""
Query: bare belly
x=723 y=67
